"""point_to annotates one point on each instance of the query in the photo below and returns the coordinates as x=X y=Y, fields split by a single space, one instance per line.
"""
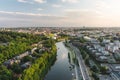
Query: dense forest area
x=13 y=44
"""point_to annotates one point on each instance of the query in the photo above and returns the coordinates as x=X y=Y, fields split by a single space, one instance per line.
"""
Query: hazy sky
x=60 y=13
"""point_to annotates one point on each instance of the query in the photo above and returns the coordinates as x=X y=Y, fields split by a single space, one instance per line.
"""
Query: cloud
x=28 y=19
x=23 y=1
x=32 y=1
x=72 y=17
x=40 y=9
x=85 y=17
x=72 y=10
x=70 y=1
x=40 y=1
x=82 y=13
x=20 y=13
x=29 y=14
x=102 y=5
x=56 y=6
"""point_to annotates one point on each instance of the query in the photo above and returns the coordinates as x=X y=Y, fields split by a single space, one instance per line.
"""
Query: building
x=26 y=65
x=102 y=59
x=11 y=62
x=105 y=41
x=22 y=55
x=115 y=67
x=115 y=75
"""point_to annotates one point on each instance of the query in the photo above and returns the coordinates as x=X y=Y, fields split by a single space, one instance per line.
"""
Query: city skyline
x=14 y=13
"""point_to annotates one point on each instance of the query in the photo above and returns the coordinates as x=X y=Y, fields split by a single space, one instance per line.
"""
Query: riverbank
x=42 y=63
x=74 y=62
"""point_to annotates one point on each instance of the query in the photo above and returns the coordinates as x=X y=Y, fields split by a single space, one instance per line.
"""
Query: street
x=82 y=65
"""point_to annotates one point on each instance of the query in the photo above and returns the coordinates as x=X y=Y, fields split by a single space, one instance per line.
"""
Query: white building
x=98 y=54
x=100 y=49
x=117 y=43
x=103 y=58
x=112 y=47
x=106 y=41
x=105 y=53
x=96 y=46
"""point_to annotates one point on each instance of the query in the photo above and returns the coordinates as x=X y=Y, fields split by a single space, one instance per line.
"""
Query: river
x=61 y=69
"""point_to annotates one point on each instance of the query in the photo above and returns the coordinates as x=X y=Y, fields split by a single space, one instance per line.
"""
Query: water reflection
x=64 y=56
x=60 y=70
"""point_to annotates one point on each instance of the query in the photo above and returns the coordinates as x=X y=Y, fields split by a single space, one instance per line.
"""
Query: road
x=82 y=65
x=78 y=73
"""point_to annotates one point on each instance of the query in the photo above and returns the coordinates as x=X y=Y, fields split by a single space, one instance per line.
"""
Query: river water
x=61 y=69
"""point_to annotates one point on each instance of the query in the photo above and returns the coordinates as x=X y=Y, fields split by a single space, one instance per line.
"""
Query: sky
x=57 y=13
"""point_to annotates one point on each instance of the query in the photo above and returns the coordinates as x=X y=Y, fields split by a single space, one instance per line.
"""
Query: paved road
x=82 y=65
x=78 y=73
